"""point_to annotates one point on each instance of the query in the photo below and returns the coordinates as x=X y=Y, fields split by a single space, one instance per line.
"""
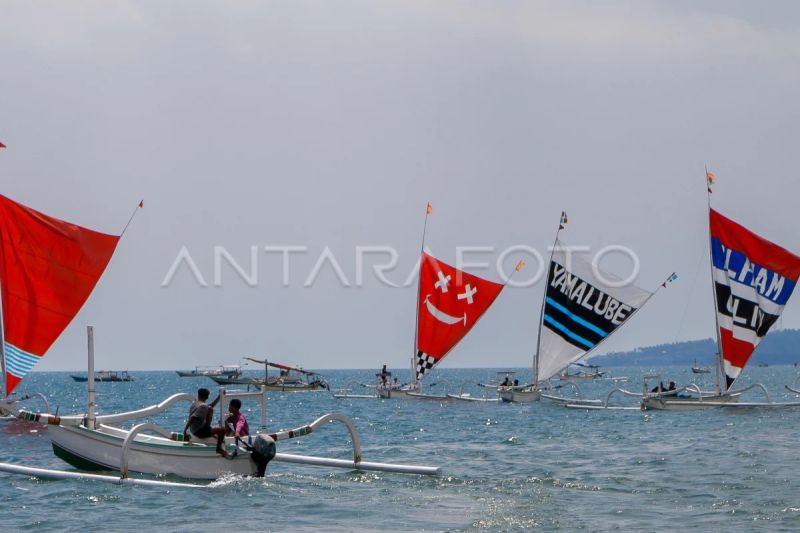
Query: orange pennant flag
x=710 y=177
x=520 y=265
x=429 y=210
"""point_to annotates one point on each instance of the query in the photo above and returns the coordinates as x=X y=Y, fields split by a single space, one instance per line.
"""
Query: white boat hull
x=468 y=398
x=101 y=449
x=677 y=403
x=519 y=396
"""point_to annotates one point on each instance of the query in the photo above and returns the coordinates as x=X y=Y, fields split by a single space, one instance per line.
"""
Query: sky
x=331 y=124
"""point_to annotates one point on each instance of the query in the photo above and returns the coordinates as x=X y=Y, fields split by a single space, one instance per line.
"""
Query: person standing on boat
x=199 y=423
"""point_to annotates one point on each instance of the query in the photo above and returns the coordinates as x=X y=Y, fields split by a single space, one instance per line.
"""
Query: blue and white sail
x=583 y=307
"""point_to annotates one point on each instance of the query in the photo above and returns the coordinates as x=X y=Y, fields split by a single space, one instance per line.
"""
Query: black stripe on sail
x=744 y=313
x=581 y=307
x=563 y=316
x=568 y=336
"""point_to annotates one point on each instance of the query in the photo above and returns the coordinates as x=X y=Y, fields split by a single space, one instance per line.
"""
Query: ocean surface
x=507 y=467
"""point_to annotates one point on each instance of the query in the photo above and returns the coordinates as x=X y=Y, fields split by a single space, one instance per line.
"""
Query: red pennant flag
x=48 y=268
x=2 y=145
x=450 y=303
x=141 y=204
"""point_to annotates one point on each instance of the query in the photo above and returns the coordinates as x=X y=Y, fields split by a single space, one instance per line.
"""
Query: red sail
x=753 y=280
x=450 y=303
x=48 y=268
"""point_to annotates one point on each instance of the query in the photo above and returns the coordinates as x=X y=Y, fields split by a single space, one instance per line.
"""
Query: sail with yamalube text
x=581 y=310
x=753 y=280
x=450 y=303
x=48 y=268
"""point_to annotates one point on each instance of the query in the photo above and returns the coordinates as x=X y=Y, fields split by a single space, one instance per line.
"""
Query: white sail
x=583 y=307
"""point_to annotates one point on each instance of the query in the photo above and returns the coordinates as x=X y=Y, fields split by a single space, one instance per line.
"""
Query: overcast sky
x=332 y=123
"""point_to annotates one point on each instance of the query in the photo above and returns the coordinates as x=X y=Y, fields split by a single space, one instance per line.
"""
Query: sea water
x=506 y=467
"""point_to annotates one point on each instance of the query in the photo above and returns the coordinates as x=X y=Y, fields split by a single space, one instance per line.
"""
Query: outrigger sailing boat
x=289 y=379
x=753 y=279
x=48 y=268
x=580 y=311
x=449 y=304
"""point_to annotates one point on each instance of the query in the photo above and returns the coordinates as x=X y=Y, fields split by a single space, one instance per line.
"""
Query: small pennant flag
x=429 y=210
x=141 y=204
x=564 y=220
x=520 y=265
x=670 y=279
x=709 y=179
x=2 y=145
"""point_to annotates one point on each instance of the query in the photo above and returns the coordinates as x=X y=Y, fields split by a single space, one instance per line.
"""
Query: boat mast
x=719 y=365
x=3 y=345
x=428 y=211
x=535 y=370
x=90 y=409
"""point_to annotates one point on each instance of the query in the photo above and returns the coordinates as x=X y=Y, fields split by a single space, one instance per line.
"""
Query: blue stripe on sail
x=19 y=362
x=771 y=285
x=588 y=325
x=568 y=333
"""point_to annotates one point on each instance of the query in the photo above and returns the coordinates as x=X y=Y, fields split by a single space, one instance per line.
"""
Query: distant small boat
x=106 y=375
x=763 y=365
x=592 y=372
x=291 y=378
x=700 y=369
x=228 y=371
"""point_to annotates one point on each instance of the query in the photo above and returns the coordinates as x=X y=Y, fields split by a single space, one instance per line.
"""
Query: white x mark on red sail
x=443 y=282
x=468 y=293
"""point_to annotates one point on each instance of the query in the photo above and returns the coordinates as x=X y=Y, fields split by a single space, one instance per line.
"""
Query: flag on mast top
x=709 y=180
x=429 y=209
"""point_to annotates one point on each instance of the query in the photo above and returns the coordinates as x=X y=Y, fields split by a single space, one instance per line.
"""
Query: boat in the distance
x=106 y=376
x=582 y=307
x=504 y=378
x=584 y=371
x=449 y=304
x=752 y=281
x=289 y=378
x=228 y=371
x=697 y=369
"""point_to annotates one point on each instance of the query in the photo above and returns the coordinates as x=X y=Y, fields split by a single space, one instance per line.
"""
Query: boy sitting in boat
x=236 y=423
x=199 y=423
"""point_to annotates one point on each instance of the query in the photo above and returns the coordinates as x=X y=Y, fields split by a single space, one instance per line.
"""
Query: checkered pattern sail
x=48 y=268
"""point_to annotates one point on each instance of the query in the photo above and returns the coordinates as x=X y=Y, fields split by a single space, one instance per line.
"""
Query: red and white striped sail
x=48 y=268
x=450 y=303
x=753 y=280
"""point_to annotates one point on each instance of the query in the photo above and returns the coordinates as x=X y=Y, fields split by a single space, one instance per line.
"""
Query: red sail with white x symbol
x=450 y=303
